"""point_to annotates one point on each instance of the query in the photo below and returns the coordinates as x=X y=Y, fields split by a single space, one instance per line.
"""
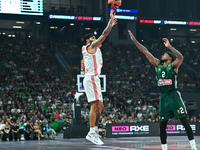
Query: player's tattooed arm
x=179 y=57
x=153 y=60
x=106 y=31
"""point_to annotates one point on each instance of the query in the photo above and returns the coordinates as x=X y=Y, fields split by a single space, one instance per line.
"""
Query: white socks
x=92 y=130
x=164 y=146
x=193 y=144
x=96 y=129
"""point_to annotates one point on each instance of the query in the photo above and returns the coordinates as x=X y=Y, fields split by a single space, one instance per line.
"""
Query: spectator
x=61 y=123
x=56 y=116
x=22 y=132
x=139 y=115
x=102 y=129
x=195 y=119
x=37 y=129
x=7 y=132
x=2 y=125
x=28 y=129
x=49 y=128
x=15 y=132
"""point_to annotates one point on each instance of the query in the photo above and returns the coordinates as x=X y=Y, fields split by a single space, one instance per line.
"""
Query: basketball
x=114 y=4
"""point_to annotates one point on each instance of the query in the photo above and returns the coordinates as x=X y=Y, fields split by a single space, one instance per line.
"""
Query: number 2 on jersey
x=181 y=110
x=163 y=74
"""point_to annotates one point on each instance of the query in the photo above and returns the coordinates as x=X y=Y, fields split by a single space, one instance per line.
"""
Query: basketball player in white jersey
x=93 y=63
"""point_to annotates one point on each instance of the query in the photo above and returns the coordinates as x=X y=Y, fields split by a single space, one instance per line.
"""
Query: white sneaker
x=94 y=138
x=98 y=135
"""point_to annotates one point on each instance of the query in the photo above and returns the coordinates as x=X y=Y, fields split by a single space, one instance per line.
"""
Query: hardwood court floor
x=133 y=143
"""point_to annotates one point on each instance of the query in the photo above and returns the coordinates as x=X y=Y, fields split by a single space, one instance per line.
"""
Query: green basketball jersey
x=166 y=78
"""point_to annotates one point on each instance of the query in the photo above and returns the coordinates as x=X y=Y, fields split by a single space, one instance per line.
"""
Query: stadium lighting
x=17 y=27
x=20 y=22
x=4 y=33
x=192 y=41
x=87 y=28
x=193 y=30
x=95 y=32
x=71 y=24
x=173 y=29
x=13 y=35
x=9 y=35
x=38 y=22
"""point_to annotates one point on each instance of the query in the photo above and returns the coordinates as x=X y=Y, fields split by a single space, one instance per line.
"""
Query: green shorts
x=171 y=104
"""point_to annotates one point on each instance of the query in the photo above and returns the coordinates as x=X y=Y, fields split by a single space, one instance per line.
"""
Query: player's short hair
x=171 y=55
x=87 y=36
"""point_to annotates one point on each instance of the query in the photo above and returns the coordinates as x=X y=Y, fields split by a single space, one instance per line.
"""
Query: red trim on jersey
x=87 y=50
x=95 y=65
x=95 y=88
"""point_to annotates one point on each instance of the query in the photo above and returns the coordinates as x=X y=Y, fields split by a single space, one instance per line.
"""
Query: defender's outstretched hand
x=131 y=35
x=166 y=42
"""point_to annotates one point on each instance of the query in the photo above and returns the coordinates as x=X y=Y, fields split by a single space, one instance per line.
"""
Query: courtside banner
x=147 y=129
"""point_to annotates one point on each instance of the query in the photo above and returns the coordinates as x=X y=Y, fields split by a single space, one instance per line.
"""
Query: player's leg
x=92 y=136
x=92 y=96
x=181 y=112
x=99 y=110
x=163 y=134
x=93 y=114
x=88 y=83
x=189 y=132
x=165 y=113
x=100 y=103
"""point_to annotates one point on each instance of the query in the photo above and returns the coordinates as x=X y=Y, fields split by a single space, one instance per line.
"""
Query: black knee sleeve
x=163 y=133
x=187 y=127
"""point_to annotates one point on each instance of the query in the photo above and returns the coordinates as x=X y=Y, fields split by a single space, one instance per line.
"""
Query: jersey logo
x=169 y=65
x=86 y=70
x=164 y=82
x=160 y=66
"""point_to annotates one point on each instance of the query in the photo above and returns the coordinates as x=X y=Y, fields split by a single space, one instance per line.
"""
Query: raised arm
x=106 y=31
x=145 y=51
x=179 y=57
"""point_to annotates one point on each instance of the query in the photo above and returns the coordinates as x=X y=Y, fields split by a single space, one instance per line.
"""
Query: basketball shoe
x=94 y=138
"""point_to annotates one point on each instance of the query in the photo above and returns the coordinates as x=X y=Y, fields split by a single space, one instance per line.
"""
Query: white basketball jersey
x=93 y=62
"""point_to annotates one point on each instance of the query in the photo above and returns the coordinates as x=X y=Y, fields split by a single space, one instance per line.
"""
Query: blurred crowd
x=34 y=89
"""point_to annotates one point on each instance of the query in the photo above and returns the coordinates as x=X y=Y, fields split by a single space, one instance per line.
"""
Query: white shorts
x=92 y=88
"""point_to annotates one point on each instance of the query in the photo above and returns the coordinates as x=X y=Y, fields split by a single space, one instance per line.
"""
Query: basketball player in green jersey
x=171 y=103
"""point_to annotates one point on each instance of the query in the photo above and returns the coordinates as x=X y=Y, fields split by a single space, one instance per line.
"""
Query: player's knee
x=94 y=106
